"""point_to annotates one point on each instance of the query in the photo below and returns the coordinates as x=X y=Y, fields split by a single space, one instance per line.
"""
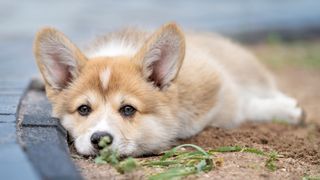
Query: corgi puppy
x=145 y=90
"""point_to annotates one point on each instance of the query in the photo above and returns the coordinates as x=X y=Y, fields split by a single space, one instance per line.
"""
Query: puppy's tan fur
x=178 y=84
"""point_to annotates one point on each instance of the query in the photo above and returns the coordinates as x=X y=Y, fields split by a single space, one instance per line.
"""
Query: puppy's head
x=128 y=99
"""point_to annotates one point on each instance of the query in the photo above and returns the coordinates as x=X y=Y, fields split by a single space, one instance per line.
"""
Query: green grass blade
x=227 y=149
x=174 y=173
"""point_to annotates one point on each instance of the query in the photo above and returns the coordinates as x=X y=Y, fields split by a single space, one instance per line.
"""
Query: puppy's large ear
x=162 y=55
x=58 y=59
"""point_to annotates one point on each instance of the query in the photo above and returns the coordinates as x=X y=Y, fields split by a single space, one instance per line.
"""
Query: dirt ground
x=299 y=146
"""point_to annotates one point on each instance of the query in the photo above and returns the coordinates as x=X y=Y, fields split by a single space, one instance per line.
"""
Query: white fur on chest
x=112 y=49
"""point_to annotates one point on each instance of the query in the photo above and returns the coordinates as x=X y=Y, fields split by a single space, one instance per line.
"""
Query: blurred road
x=82 y=19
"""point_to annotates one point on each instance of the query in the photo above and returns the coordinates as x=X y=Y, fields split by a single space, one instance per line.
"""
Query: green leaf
x=99 y=160
x=270 y=163
x=104 y=141
x=201 y=166
x=127 y=165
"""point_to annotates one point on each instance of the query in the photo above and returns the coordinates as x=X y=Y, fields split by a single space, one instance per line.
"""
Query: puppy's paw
x=281 y=107
x=289 y=110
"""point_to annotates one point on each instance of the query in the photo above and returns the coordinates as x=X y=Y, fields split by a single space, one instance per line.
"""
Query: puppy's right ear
x=58 y=59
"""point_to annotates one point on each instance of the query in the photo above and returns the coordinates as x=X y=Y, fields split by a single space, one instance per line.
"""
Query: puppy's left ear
x=162 y=55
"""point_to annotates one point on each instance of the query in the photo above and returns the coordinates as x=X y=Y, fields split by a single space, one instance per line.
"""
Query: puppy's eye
x=84 y=110
x=127 y=110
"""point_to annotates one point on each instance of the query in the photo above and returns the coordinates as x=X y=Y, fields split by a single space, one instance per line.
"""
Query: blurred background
x=246 y=20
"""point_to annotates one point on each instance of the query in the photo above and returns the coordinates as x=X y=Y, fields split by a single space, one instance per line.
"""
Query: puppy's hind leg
x=276 y=107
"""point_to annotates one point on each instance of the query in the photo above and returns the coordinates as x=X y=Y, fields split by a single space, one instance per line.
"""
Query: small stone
x=264 y=141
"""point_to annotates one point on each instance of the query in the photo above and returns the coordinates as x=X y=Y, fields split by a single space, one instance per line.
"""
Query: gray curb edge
x=42 y=137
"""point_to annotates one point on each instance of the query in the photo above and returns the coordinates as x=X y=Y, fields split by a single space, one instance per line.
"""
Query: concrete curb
x=43 y=138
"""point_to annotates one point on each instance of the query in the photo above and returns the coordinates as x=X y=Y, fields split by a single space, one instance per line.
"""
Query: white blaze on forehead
x=105 y=77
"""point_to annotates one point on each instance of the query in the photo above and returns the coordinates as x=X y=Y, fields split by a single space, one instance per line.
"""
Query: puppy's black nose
x=97 y=136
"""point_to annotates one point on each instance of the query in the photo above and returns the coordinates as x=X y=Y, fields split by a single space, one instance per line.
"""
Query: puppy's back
x=242 y=66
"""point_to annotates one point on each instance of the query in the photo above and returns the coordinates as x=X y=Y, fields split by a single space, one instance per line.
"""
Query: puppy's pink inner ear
x=62 y=72
x=60 y=65
x=163 y=64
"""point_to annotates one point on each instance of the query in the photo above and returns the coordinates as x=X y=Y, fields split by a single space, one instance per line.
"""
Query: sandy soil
x=299 y=145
